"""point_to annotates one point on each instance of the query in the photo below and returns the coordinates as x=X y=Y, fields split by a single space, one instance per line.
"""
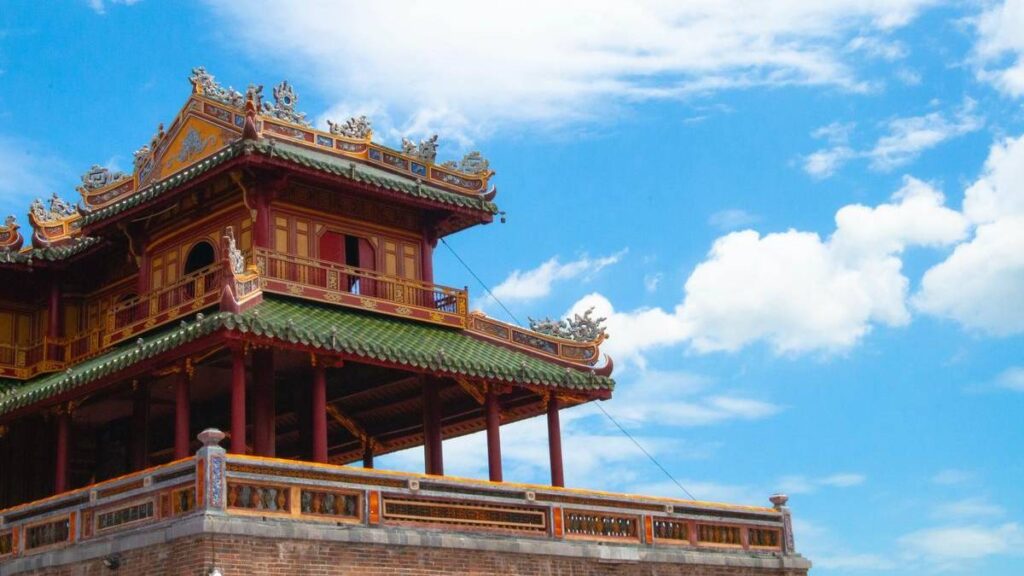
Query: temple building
x=201 y=360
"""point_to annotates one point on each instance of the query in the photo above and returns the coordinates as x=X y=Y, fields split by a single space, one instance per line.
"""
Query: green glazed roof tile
x=331 y=329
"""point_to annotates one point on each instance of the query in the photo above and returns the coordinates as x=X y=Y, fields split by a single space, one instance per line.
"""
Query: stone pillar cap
x=779 y=500
x=211 y=437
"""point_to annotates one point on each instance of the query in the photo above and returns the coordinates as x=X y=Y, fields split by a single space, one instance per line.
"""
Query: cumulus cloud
x=534 y=284
x=976 y=283
x=999 y=49
x=636 y=331
x=467 y=68
x=799 y=292
x=903 y=140
x=793 y=290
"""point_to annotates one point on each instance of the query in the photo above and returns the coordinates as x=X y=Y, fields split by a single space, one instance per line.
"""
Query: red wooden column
x=140 y=425
x=238 y=401
x=60 y=483
x=432 y=451
x=182 y=415
x=319 y=404
x=261 y=230
x=493 y=434
x=368 y=455
x=264 y=403
x=53 y=311
x=555 y=442
x=427 y=254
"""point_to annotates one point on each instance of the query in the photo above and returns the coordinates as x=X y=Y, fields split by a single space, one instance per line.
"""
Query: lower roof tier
x=328 y=330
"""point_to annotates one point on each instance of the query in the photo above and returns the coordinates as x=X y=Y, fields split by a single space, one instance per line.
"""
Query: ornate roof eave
x=267 y=152
x=50 y=256
x=273 y=322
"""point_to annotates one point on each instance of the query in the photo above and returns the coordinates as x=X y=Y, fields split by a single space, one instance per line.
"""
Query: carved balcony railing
x=246 y=487
x=186 y=296
x=361 y=288
x=25 y=361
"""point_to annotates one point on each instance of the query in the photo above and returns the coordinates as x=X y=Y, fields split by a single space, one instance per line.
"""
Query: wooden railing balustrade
x=289 y=275
x=335 y=283
x=187 y=295
x=260 y=488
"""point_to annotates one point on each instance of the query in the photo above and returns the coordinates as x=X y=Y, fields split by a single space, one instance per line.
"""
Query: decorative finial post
x=211 y=485
x=779 y=502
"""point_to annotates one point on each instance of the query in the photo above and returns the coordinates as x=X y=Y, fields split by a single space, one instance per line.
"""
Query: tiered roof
x=219 y=125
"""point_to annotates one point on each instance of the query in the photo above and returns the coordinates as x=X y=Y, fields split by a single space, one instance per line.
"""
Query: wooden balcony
x=191 y=293
x=334 y=283
x=254 y=489
x=294 y=276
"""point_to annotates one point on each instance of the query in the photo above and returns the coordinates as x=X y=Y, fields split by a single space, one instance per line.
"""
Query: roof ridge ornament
x=285 y=100
x=204 y=84
x=579 y=328
x=472 y=163
x=11 y=239
x=58 y=209
x=358 y=127
x=426 y=150
x=98 y=177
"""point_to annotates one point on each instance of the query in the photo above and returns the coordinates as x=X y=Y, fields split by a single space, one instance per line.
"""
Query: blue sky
x=804 y=220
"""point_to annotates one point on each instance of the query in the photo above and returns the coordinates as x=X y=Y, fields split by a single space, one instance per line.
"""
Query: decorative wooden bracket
x=474 y=390
x=351 y=425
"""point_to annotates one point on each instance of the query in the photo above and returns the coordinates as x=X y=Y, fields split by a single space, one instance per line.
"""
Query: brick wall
x=250 y=556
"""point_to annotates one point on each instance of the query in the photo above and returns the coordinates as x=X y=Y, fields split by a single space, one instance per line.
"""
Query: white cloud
x=652 y=281
x=999 y=49
x=793 y=290
x=967 y=508
x=977 y=282
x=680 y=399
x=858 y=562
x=26 y=172
x=825 y=162
x=952 y=477
x=799 y=484
x=877 y=47
x=799 y=293
x=99 y=7
x=903 y=141
x=907 y=138
x=732 y=219
x=534 y=284
x=944 y=545
x=466 y=68
x=1012 y=379
x=634 y=332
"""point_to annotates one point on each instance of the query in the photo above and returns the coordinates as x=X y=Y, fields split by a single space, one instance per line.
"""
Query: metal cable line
x=599 y=407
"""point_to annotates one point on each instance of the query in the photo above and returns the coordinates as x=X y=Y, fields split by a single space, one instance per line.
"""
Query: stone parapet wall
x=378 y=552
